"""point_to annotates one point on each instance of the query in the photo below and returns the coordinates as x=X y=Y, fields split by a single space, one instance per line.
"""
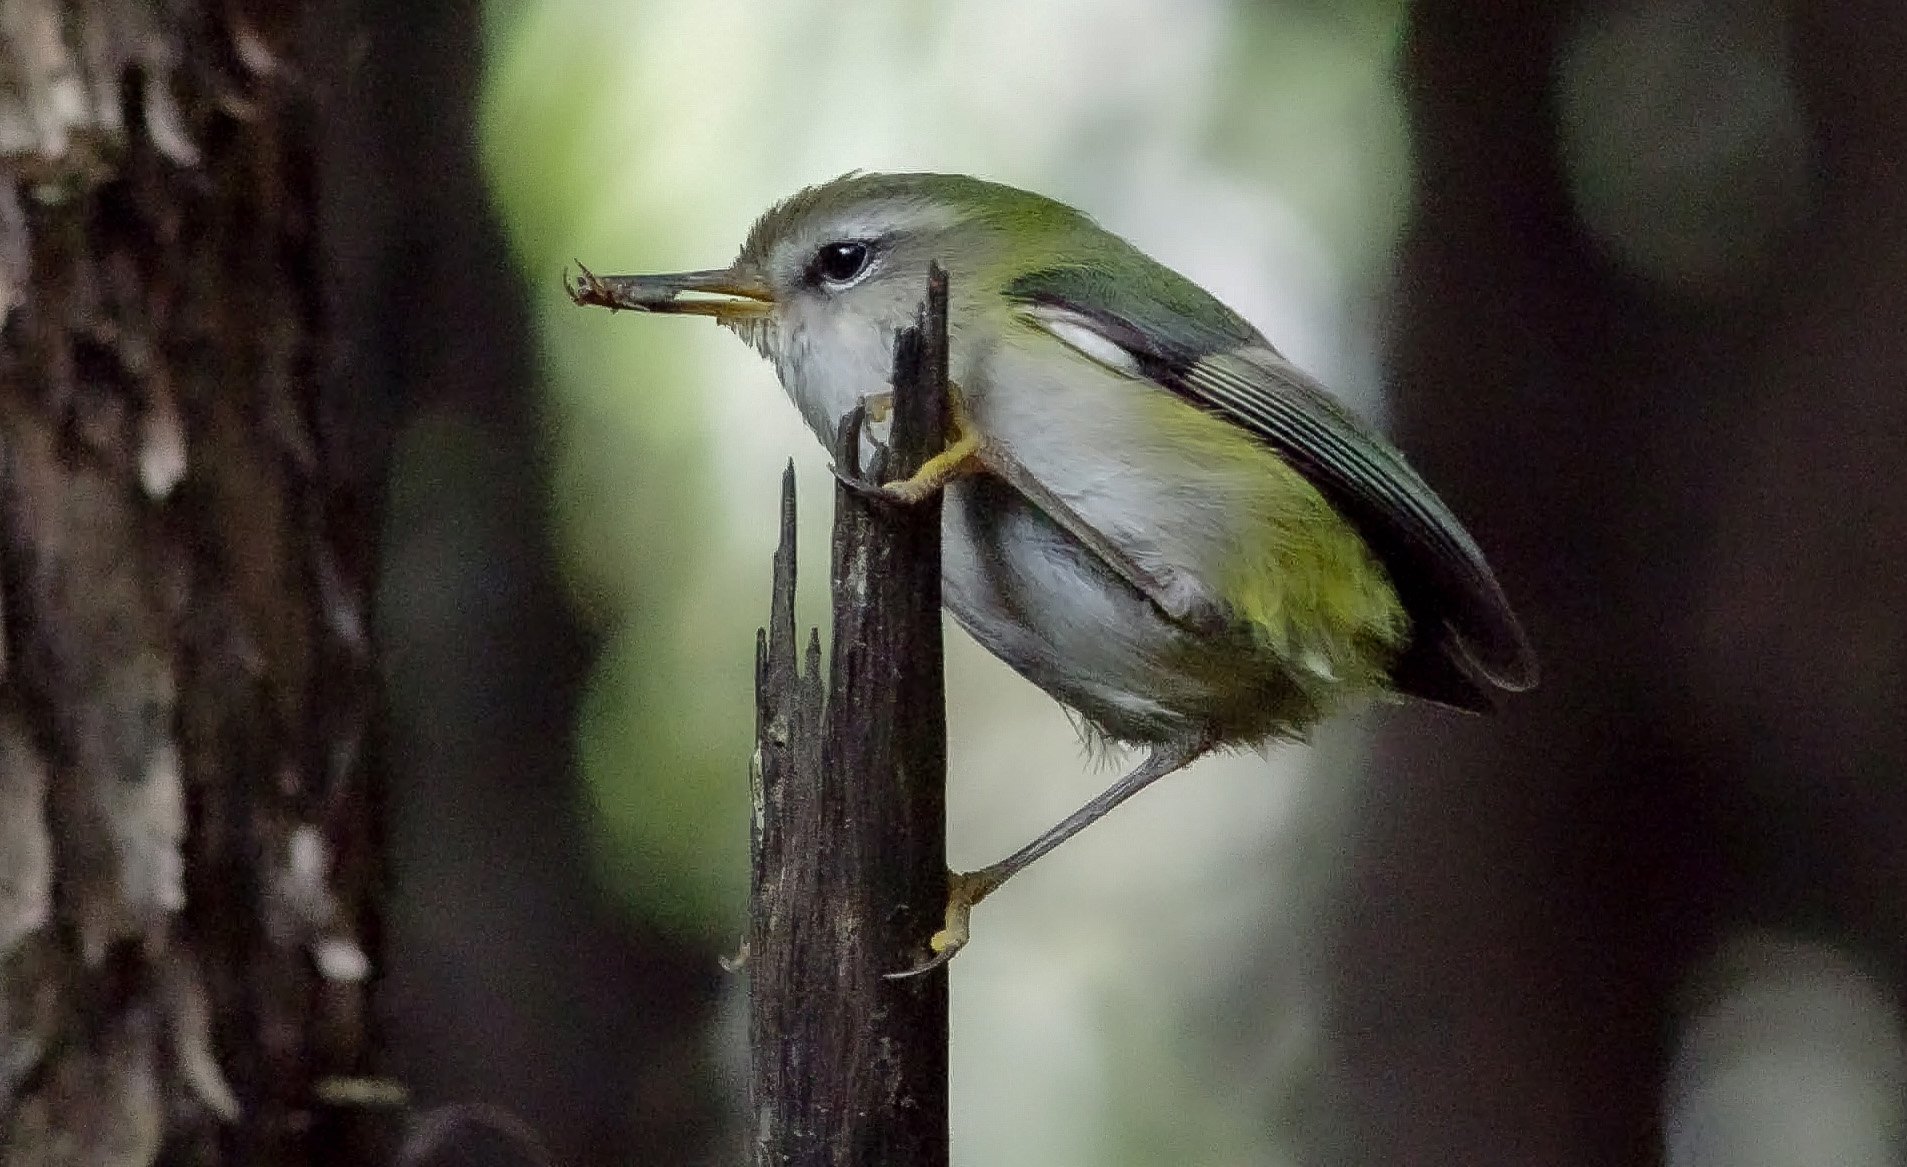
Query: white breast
x=1086 y=430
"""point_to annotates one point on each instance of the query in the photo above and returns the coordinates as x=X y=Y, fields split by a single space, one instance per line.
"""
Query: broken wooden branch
x=848 y=1066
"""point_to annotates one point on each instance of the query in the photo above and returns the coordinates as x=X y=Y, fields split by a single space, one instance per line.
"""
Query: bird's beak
x=727 y=294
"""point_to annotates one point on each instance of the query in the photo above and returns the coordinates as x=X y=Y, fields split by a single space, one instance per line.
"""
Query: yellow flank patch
x=1297 y=573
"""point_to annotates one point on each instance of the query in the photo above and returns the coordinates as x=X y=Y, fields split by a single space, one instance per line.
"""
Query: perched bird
x=1149 y=512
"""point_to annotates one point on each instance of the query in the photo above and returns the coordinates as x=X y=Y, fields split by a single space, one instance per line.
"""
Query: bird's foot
x=964 y=890
x=960 y=457
x=867 y=488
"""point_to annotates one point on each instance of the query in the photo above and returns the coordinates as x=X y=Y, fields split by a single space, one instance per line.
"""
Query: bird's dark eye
x=840 y=262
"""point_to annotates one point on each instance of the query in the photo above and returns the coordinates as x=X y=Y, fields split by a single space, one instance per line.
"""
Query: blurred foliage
x=663 y=755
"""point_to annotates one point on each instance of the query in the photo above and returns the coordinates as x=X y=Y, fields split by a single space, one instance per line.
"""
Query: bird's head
x=828 y=276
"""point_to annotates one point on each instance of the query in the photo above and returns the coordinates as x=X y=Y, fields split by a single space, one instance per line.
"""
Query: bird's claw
x=957 y=459
x=945 y=945
x=960 y=457
x=894 y=494
x=867 y=488
x=847 y=465
x=964 y=890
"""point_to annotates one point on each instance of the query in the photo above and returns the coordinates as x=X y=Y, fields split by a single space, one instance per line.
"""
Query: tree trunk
x=236 y=242
x=187 y=834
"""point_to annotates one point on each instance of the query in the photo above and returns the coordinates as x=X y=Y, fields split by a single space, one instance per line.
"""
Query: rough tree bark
x=849 y=1063
x=186 y=831
x=235 y=239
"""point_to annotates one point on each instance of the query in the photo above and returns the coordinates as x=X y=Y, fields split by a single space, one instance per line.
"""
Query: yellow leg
x=967 y=888
x=964 y=890
x=962 y=456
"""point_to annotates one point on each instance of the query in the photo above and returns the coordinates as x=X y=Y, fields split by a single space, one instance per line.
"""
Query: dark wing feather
x=1433 y=561
x=1193 y=346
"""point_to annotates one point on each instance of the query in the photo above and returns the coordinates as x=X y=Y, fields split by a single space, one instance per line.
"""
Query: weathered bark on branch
x=849 y=1066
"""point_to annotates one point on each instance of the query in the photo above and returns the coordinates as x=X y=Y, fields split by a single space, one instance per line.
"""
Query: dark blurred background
x=1625 y=279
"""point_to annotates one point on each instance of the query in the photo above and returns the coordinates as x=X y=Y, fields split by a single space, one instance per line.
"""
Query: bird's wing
x=1170 y=332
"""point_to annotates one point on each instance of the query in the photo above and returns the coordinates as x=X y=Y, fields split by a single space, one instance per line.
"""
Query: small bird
x=1148 y=511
